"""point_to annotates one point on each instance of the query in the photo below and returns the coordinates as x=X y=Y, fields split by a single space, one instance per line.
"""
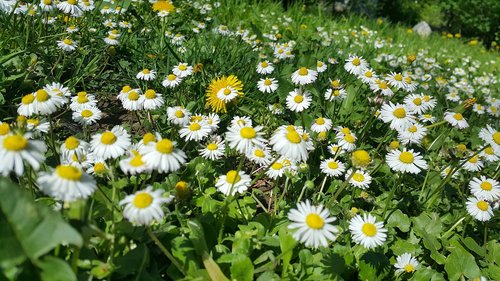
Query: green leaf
x=287 y=243
x=29 y=230
x=242 y=268
x=461 y=263
x=55 y=269
x=399 y=220
x=427 y=274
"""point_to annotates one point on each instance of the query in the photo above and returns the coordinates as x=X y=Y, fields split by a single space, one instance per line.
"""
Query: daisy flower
x=217 y=89
x=415 y=103
x=413 y=134
x=355 y=65
x=87 y=115
x=456 y=120
x=57 y=89
x=182 y=70
x=491 y=155
x=163 y=156
x=134 y=164
x=304 y=76
x=67 y=183
x=265 y=67
x=427 y=118
x=298 y=101
x=360 y=178
x=133 y=101
x=368 y=76
x=367 y=232
x=111 y=40
x=490 y=136
x=260 y=155
x=111 y=144
x=99 y=168
x=347 y=142
x=233 y=182
x=152 y=100
x=178 y=115
x=146 y=75
x=82 y=99
x=213 y=149
x=398 y=115
x=321 y=125
x=406 y=161
x=292 y=142
x=335 y=94
x=144 y=206
x=485 y=188
x=382 y=87
x=67 y=44
x=244 y=138
x=312 y=225
x=479 y=209
x=195 y=131
x=171 y=81
x=47 y=103
x=70 y=7
x=15 y=149
x=321 y=66
x=474 y=164
x=406 y=263
x=27 y=106
x=268 y=85
x=332 y=168
x=72 y=145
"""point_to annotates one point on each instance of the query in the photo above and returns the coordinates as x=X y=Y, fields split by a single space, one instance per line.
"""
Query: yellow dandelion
x=222 y=91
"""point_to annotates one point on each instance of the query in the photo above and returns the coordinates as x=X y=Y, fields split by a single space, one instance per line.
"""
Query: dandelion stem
x=164 y=250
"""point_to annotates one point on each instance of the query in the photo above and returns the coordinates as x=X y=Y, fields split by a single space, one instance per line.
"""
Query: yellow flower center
x=68 y=41
x=293 y=137
x=399 y=113
x=320 y=121
x=68 y=172
x=146 y=71
x=383 y=85
x=72 y=2
x=298 y=98
x=361 y=158
x=333 y=165
x=182 y=67
x=212 y=146
x=4 y=129
x=398 y=77
x=417 y=101
x=336 y=93
x=315 y=221
x=72 y=143
x=394 y=144
x=137 y=161
x=248 y=133
x=461 y=147
x=349 y=138
x=482 y=205
x=148 y=137
x=427 y=98
x=496 y=137
x=369 y=229
x=358 y=177
x=47 y=2
x=227 y=91
x=15 y=143
x=486 y=186
x=458 y=116
x=264 y=64
x=303 y=71
x=142 y=200
x=369 y=74
x=319 y=64
x=277 y=166
x=86 y=113
x=356 y=61
x=165 y=146
x=409 y=268
x=82 y=99
x=99 y=168
x=473 y=160
x=179 y=113
x=232 y=177
x=42 y=95
x=489 y=150
x=133 y=95
x=126 y=89
x=27 y=99
x=194 y=127
x=267 y=82
x=259 y=153
x=412 y=129
x=108 y=138
x=150 y=94
x=406 y=157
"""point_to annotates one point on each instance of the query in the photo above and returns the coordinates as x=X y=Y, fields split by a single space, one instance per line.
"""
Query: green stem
x=165 y=250
x=391 y=195
x=341 y=188
x=321 y=188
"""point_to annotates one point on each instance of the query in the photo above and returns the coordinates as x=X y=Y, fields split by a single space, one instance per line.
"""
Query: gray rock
x=423 y=29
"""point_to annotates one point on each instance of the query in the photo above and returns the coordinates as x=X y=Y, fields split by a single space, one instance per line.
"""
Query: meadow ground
x=234 y=140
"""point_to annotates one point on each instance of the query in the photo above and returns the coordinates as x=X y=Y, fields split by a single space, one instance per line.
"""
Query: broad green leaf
x=287 y=243
x=461 y=263
x=242 y=268
x=29 y=230
x=399 y=220
x=427 y=274
x=55 y=269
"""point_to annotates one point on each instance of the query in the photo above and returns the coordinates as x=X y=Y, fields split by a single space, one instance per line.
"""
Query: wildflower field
x=236 y=140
